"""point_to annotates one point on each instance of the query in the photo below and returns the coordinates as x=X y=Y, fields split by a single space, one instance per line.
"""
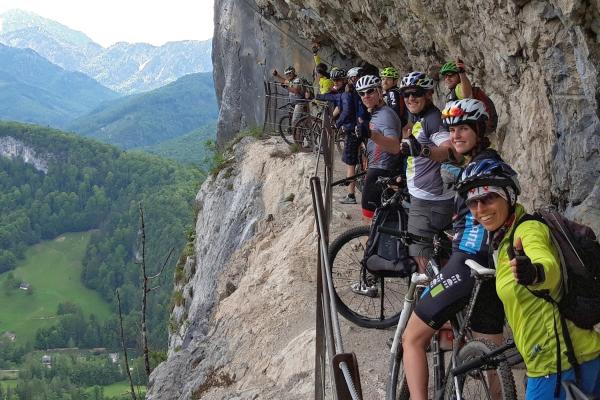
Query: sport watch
x=425 y=152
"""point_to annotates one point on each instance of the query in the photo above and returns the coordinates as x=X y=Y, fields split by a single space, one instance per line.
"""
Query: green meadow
x=53 y=269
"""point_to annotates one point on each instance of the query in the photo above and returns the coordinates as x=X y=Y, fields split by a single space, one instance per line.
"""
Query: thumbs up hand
x=525 y=272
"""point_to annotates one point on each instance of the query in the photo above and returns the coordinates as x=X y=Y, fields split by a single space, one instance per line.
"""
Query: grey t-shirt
x=385 y=120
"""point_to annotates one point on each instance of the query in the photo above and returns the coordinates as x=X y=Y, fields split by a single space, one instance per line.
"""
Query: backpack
x=579 y=253
x=490 y=108
x=386 y=255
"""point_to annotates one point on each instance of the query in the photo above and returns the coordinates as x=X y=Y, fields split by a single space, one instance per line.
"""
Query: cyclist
x=450 y=291
x=354 y=74
x=491 y=192
x=325 y=83
x=382 y=130
x=456 y=80
x=298 y=91
x=392 y=96
x=383 y=145
x=427 y=147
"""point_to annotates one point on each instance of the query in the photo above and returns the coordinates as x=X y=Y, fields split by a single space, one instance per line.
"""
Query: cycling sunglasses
x=414 y=93
x=366 y=92
x=485 y=200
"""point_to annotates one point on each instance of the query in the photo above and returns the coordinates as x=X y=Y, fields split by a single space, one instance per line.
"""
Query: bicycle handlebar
x=346 y=181
x=489 y=358
x=407 y=236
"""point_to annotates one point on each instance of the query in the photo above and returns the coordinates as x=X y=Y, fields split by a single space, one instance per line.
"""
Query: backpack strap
x=545 y=294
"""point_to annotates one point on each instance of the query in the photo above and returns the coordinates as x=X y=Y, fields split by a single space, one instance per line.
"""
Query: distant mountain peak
x=16 y=20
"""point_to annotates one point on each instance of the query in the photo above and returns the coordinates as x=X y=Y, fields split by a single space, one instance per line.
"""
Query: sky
x=109 y=21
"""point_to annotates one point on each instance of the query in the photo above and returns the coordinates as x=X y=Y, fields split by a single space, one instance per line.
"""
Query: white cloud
x=111 y=21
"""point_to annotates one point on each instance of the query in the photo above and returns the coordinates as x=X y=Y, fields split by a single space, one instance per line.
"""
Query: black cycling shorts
x=450 y=292
x=371 y=193
x=351 y=144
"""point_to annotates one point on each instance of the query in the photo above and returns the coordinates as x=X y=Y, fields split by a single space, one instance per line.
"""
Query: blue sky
x=110 y=21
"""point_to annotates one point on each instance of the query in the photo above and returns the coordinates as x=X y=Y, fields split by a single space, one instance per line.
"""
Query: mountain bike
x=472 y=360
x=307 y=130
x=381 y=307
x=284 y=125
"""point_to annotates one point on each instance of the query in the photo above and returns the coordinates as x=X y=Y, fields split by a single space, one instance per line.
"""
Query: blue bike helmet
x=489 y=173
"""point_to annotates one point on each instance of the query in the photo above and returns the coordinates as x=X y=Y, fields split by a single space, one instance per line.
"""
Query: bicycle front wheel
x=285 y=129
x=397 y=387
x=487 y=382
x=366 y=300
x=307 y=132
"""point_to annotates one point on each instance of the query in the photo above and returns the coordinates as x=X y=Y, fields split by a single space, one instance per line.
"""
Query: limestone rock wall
x=245 y=324
x=13 y=148
x=536 y=59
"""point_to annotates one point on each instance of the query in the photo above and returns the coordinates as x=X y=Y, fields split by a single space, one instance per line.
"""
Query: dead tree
x=146 y=281
x=133 y=396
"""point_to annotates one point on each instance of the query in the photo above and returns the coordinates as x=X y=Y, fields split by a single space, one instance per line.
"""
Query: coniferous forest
x=82 y=185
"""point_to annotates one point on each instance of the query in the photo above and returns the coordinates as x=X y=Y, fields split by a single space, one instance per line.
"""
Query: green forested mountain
x=149 y=118
x=187 y=148
x=89 y=185
x=34 y=90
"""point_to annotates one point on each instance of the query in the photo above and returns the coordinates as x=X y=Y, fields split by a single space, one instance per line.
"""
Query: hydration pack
x=579 y=253
x=386 y=255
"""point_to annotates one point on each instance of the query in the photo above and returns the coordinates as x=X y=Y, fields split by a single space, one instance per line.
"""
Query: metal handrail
x=328 y=333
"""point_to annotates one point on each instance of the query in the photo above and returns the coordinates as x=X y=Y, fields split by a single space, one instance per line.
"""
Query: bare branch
x=144 y=293
x=164 y=264
x=133 y=396
x=154 y=288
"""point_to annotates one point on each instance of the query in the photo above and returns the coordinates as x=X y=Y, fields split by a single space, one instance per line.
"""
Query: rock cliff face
x=244 y=324
x=536 y=59
x=13 y=148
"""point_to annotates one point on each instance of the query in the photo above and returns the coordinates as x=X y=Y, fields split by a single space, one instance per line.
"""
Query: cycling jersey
x=470 y=237
x=423 y=175
x=456 y=93
x=297 y=98
x=385 y=120
x=394 y=100
x=325 y=83
x=531 y=318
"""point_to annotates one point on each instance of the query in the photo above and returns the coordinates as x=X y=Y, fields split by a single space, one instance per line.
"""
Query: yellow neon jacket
x=532 y=318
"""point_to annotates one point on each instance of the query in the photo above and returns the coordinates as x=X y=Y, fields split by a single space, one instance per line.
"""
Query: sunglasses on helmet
x=367 y=92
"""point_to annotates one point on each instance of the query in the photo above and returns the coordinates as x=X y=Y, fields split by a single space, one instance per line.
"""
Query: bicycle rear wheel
x=382 y=307
x=397 y=387
x=474 y=384
x=285 y=129
x=307 y=132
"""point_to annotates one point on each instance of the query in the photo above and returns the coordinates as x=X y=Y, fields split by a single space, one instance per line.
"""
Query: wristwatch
x=425 y=152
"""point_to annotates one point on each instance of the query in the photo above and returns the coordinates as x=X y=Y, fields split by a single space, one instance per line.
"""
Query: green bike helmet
x=449 y=68
x=389 y=72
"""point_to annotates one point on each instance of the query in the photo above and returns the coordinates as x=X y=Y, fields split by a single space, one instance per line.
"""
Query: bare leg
x=414 y=343
x=350 y=172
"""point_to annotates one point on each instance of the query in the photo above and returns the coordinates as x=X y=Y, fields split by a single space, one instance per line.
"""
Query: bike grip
x=468 y=366
x=390 y=231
